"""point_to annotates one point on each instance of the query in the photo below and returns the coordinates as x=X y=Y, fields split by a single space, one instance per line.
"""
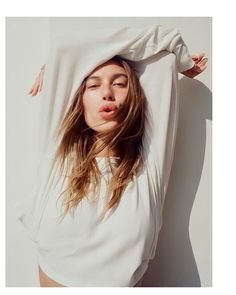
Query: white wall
x=184 y=250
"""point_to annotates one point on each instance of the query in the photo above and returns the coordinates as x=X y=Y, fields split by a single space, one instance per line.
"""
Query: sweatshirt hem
x=67 y=283
x=54 y=276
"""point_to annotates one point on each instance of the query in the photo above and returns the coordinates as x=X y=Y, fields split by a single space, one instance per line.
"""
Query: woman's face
x=105 y=91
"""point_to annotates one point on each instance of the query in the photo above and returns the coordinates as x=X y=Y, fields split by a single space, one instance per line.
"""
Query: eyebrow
x=114 y=76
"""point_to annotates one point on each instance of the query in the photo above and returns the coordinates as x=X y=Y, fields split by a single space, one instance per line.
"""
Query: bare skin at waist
x=45 y=281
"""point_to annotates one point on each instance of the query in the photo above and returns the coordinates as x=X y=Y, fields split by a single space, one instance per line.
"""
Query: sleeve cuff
x=184 y=66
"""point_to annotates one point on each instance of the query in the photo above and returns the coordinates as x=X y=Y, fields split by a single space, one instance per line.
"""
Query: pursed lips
x=107 y=111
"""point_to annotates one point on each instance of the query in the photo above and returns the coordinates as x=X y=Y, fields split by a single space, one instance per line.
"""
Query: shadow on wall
x=174 y=264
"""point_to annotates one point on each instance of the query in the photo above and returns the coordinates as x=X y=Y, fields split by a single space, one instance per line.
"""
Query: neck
x=105 y=152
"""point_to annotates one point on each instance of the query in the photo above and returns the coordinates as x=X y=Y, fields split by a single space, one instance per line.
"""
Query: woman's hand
x=200 y=65
x=37 y=87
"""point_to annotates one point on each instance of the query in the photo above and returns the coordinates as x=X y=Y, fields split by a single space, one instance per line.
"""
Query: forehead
x=108 y=68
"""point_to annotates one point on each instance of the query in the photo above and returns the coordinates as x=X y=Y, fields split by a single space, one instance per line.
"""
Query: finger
x=40 y=86
x=33 y=93
x=203 y=68
x=33 y=87
x=41 y=82
x=36 y=85
x=203 y=64
x=194 y=57
x=198 y=57
x=203 y=61
x=30 y=91
x=35 y=90
x=200 y=69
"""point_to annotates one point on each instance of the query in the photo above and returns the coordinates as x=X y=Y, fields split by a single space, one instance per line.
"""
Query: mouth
x=108 y=111
x=109 y=114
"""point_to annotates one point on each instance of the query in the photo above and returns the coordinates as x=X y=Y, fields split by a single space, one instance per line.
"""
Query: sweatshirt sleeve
x=74 y=55
x=157 y=38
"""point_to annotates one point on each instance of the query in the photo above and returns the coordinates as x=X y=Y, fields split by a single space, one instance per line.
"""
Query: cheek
x=122 y=96
x=87 y=103
x=89 y=108
x=86 y=99
x=86 y=106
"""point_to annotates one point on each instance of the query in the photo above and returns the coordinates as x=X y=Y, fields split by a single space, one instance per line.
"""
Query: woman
x=100 y=222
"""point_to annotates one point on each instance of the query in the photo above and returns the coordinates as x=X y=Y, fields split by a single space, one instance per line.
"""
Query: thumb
x=197 y=57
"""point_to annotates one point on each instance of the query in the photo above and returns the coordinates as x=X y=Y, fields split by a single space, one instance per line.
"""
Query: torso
x=67 y=242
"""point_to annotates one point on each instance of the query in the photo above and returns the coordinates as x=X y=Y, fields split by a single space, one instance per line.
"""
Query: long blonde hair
x=77 y=150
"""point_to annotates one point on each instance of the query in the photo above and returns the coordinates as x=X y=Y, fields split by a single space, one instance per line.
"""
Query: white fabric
x=79 y=251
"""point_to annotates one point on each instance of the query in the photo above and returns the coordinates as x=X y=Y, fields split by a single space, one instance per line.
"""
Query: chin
x=108 y=126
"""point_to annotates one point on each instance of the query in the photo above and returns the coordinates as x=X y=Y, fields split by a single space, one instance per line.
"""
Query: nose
x=107 y=93
x=109 y=98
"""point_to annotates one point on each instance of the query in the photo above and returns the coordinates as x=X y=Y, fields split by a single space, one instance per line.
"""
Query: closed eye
x=93 y=86
x=115 y=84
x=120 y=84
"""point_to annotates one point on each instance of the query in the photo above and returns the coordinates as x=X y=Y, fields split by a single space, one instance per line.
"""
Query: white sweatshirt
x=79 y=251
